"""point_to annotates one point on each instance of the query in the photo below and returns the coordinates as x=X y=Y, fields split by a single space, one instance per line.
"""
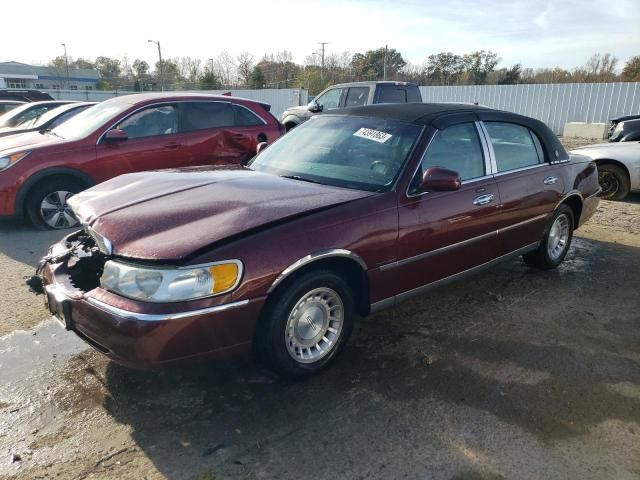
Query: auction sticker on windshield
x=375 y=135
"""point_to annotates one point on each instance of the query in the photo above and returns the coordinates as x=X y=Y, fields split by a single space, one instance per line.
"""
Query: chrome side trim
x=572 y=193
x=453 y=246
x=522 y=169
x=145 y=317
x=437 y=251
x=594 y=194
x=524 y=222
x=392 y=301
x=333 y=252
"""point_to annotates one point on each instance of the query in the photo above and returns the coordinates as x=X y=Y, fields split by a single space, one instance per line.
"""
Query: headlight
x=157 y=284
x=6 y=162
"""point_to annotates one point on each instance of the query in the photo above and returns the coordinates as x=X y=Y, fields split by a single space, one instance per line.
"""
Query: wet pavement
x=513 y=373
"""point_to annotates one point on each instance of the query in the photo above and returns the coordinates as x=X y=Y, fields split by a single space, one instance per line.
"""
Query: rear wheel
x=614 y=182
x=47 y=206
x=555 y=243
x=307 y=324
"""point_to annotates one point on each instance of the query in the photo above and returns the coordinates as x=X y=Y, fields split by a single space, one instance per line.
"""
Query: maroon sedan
x=349 y=213
x=39 y=171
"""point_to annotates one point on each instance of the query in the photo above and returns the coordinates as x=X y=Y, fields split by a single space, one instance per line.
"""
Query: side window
x=246 y=118
x=413 y=94
x=330 y=99
x=357 y=96
x=64 y=117
x=203 y=115
x=457 y=148
x=513 y=146
x=392 y=94
x=151 y=121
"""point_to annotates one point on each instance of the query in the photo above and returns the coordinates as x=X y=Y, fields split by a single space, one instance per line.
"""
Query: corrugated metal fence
x=554 y=104
x=279 y=99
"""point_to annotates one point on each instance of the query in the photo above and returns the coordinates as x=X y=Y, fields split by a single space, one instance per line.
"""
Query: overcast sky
x=535 y=33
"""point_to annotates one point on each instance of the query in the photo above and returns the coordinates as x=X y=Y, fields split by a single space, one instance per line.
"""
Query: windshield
x=24 y=113
x=89 y=120
x=345 y=151
x=60 y=113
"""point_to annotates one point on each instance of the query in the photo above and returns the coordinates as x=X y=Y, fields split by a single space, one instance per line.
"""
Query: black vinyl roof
x=420 y=113
x=441 y=115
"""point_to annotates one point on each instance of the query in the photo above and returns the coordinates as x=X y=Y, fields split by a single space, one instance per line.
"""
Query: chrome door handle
x=483 y=199
x=550 y=180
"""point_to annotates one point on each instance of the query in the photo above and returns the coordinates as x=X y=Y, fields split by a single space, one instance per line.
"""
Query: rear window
x=245 y=117
x=203 y=115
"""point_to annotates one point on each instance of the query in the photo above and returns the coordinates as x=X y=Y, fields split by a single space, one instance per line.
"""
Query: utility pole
x=157 y=42
x=66 y=62
x=384 y=64
x=211 y=61
x=322 y=44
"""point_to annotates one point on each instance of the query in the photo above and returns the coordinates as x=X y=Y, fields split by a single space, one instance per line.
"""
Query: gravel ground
x=513 y=373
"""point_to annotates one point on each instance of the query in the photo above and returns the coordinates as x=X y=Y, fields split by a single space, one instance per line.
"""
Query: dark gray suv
x=352 y=95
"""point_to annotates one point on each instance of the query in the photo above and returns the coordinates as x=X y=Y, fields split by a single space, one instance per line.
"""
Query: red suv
x=40 y=171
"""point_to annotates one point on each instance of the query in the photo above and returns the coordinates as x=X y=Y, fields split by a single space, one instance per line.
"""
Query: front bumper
x=143 y=339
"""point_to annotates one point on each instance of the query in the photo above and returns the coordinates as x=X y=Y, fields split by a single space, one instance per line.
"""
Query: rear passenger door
x=530 y=188
x=218 y=132
x=357 y=96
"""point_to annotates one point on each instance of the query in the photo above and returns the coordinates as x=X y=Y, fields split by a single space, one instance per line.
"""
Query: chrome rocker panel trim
x=392 y=301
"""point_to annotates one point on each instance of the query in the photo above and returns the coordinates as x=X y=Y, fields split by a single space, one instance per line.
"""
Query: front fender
x=292 y=119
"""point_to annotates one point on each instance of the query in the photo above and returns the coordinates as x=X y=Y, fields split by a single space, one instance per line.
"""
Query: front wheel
x=555 y=242
x=47 y=206
x=307 y=324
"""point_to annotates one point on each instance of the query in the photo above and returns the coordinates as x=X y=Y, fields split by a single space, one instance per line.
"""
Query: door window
x=151 y=121
x=357 y=96
x=204 y=115
x=245 y=117
x=457 y=148
x=330 y=99
x=514 y=146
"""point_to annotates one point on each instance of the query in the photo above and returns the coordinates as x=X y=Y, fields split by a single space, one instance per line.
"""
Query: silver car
x=618 y=167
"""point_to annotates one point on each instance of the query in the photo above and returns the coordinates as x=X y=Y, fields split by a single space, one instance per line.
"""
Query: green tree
x=310 y=79
x=444 y=68
x=631 y=70
x=209 y=81
x=478 y=65
x=109 y=68
x=510 y=76
x=82 y=63
x=257 y=78
x=371 y=64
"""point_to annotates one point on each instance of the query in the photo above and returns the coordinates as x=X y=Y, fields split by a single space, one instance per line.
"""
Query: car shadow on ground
x=551 y=354
x=20 y=241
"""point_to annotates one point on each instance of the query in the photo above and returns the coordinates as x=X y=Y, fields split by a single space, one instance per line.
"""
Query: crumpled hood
x=169 y=214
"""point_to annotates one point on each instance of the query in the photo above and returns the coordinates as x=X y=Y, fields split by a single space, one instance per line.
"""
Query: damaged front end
x=82 y=257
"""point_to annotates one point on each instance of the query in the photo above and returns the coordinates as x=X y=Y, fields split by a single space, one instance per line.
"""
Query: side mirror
x=437 y=179
x=116 y=135
x=314 y=107
x=261 y=146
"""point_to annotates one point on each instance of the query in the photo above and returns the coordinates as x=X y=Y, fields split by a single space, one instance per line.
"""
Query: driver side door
x=445 y=233
x=154 y=141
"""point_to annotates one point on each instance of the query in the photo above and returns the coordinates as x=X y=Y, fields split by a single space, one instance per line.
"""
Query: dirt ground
x=513 y=373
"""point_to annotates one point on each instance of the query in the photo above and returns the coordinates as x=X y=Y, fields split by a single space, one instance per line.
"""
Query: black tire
x=290 y=126
x=270 y=342
x=542 y=258
x=44 y=189
x=614 y=181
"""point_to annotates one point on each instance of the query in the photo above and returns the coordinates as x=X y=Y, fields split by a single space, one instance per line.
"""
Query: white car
x=618 y=167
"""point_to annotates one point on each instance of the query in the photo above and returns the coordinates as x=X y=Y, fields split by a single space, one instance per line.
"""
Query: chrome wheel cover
x=558 y=240
x=55 y=211
x=314 y=325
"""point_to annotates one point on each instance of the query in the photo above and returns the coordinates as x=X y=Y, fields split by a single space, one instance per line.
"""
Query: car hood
x=302 y=112
x=170 y=214
x=26 y=141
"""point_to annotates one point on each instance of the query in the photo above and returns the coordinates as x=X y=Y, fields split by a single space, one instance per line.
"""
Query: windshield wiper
x=302 y=179
x=51 y=132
